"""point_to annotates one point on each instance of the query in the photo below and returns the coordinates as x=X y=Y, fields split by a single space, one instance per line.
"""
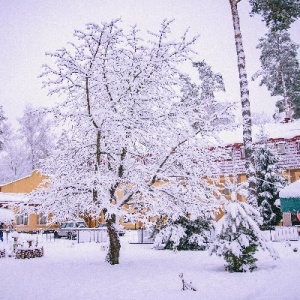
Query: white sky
x=29 y=28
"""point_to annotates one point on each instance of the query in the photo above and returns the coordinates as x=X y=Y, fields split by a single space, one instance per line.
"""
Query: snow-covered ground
x=79 y=271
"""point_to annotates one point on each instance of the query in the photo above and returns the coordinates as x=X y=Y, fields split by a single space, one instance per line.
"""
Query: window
x=229 y=153
x=41 y=219
x=22 y=219
x=298 y=146
x=128 y=219
x=242 y=150
x=281 y=148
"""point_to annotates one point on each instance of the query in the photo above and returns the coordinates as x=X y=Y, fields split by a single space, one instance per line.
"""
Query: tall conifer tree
x=280 y=71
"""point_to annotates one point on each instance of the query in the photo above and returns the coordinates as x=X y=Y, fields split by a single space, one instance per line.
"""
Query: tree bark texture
x=114 y=241
x=245 y=102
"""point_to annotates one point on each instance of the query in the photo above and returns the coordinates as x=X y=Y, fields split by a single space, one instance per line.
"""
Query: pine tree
x=277 y=14
x=269 y=182
x=280 y=70
x=239 y=237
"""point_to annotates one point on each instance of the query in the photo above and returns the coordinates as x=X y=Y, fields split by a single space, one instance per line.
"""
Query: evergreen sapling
x=269 y=182
x=239 y=237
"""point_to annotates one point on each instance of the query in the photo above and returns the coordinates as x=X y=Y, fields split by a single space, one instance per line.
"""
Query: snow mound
x=291 y=191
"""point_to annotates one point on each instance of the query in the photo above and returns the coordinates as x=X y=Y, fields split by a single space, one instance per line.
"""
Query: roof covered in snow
x=272 y=130
x=291 y=191
x=12 y=198
x=6 y=215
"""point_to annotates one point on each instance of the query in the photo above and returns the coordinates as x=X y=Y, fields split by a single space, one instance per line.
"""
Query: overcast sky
x=29 y=28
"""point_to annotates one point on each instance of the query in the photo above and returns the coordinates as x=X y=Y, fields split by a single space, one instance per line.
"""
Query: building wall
x=28 y=184
x=290 y=163
x=289 y=158
x=24 y=185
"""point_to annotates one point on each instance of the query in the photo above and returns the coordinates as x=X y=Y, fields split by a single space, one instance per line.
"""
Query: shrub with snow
x=240 y=237
x=184 y=234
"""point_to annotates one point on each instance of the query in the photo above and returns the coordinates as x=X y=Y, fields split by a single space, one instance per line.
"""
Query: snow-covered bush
x=239 y=237
x=184 y=234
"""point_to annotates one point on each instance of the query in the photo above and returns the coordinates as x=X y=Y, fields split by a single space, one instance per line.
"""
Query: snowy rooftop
x=6 y=215
x=12 y=197
x=291 y=191
x=273 y=130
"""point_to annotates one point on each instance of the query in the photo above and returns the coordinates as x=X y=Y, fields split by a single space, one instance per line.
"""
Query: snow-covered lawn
x=79 y=271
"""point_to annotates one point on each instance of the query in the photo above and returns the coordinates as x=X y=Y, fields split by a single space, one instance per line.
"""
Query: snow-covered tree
x=269 y=181
x=131 y=134
x=280 y=70
x=211 y=82
x=261 y=118
x=5 y=128
x=239 y=237
x=13 y=163
x=1 y=126
x=35 y=131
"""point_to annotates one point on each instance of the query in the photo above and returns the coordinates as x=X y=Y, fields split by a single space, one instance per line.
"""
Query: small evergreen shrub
x=184 y=234
x=239 y=237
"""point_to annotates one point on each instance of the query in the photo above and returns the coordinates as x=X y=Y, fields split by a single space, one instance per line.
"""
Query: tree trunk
x=287 y=102
x=246 y=113
x=114 y=241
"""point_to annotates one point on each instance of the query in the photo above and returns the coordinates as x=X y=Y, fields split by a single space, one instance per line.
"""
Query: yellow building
x=14 y=193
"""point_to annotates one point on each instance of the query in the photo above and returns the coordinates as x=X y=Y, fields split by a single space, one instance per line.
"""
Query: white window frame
x=229 y=153
x=22 y=219
x=42 y=219
x=281 y=148
x=243 y=153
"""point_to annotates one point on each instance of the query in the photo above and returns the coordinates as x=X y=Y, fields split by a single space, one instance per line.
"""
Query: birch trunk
x=246 y=112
